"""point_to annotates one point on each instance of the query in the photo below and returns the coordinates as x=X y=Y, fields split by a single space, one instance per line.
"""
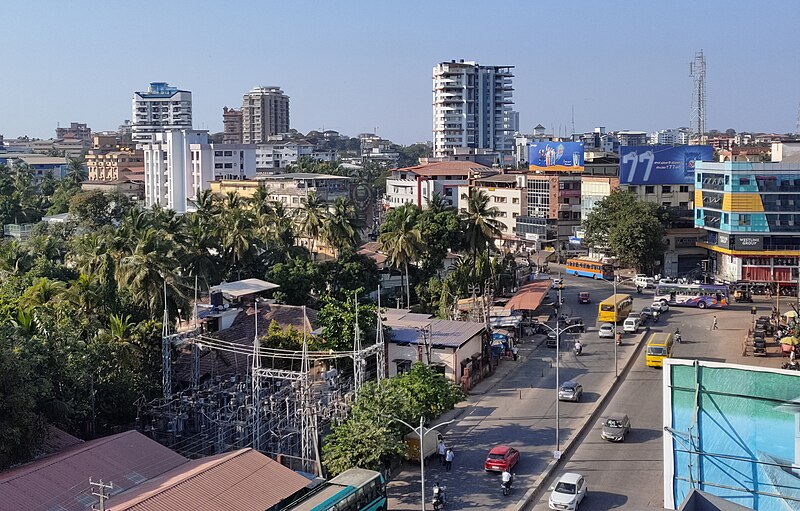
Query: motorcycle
x=577 y=349
x=678 y=338
x=792 y=366
x=438 y=500
x=506 y=485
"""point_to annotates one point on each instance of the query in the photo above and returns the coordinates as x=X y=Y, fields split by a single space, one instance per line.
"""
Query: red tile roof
x=448 y=168
x=244 y=480
x=61 y=481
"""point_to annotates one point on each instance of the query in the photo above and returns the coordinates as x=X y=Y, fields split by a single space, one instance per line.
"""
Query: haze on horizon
x=364 y=66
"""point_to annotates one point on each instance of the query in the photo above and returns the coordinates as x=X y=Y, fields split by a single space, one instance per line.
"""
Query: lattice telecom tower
x=697 y=117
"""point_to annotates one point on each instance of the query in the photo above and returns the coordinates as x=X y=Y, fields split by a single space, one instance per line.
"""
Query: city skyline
x=356 y=67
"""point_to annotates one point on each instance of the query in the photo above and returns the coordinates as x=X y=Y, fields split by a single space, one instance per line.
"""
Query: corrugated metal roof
x=530 y=296
x=443 y=332
x=61 y=481
x=244 y=480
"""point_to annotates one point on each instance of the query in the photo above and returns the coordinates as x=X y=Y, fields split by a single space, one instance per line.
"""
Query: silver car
x=570 y=391
x=616 y=427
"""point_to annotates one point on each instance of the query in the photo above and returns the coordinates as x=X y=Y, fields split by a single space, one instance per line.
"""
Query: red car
x=501 y=457
x=584 y=298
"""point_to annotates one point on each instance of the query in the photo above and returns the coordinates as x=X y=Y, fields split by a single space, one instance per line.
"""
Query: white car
x=660 y=306
x=644 y=282
x=606 y=331
x=568 y=492
x=631 y=325
x=667 y=280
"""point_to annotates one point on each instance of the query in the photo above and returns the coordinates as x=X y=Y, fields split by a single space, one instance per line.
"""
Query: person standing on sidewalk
x=442 y=450
x=714 y=324
x=448 y=460
x=515 y=352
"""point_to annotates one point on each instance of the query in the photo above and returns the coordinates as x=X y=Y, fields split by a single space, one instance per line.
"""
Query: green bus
x=355 y=489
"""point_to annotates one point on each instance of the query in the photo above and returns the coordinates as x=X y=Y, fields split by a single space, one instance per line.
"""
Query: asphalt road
x=629 y=475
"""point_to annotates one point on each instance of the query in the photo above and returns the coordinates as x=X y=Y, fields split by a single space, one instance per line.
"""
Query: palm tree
x=341 y=226
x=198 y=250
x=88 y=251
x=480 y=224
x=235 y=235
x=437 y=204
x=261 y=202
x=207 y=206
x=76 y=171
x=401 y=239
x=311 y=217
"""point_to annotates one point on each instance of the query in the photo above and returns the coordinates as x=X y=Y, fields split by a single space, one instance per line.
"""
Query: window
x=633 y=189
x=727 y=179
x=228 y=153
x=515 y=200
x=744 y=220
x=649 y=189
x=229 y=165
x=217 y=165
x=725 y=218
x=699 y=178
x=684 y=189
x=744 y=181
x=666 y=189
x=666 y=204
x=217 y=153
x=683 y=205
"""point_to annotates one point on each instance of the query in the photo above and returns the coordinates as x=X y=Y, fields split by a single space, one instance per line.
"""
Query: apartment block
x=416 y=185
x=281 y=151
x=75 y=131
x=506 y=192
x=472 y=107
x=110 y=165
x=158 y=109
x=231 y=126
x=289 y=189
x=265 y=112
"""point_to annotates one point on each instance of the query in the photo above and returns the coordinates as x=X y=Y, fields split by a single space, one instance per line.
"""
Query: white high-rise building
x=159 y=109
x=265 y=112
x=472 y=107
x=179 y=164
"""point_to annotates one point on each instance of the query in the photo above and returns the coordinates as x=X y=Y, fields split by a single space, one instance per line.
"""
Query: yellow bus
x=614 y=309
x=659 y=347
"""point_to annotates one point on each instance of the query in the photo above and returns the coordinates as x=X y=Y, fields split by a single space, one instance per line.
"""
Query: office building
x=231 y=126
x=179 y=164
x=472 y=107
x=159 y=109
x=265 y=112
x=751 y=212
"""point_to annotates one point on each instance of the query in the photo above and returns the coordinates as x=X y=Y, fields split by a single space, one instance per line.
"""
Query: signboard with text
x=562 y=156
x=661 y=164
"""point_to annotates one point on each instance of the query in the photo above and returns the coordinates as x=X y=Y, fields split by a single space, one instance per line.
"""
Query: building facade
x=472 y=107
x=416 y=185
x=289 y=189
x=231 y=126
x=265 y=112
x=75 y=131
x=180 y=164
x=107 y=165
x=159 y=109
x=751 y=212
x=281 y=151
x=506 y=192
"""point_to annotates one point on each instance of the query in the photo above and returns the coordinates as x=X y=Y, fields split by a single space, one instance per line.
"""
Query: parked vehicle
x=632 y=325
x=568 y=492
x=500 y=458
x=606 y=331
x=570 y=391
x=616 y=427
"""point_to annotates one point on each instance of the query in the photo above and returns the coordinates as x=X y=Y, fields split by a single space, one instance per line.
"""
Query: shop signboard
x=724 y=240
x=661 y=164
x=744 y=242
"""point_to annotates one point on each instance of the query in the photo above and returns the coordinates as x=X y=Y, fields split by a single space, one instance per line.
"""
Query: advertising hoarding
x=561 y=156
x=661 y=164
x=733 y=430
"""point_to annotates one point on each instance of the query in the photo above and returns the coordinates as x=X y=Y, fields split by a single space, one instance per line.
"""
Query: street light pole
x=616 y=371
x=421 y=430
x=558 y=331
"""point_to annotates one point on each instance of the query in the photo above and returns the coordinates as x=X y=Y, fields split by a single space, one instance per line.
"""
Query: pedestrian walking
x=442 y=450
x=448 y=460
x=515 y=352
x=714 y=324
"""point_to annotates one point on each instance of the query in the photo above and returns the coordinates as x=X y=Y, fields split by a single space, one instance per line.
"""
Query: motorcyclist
x=578 y=347
x=507 y=479
x=619 y=338
x=438 y=494
x=678 y=335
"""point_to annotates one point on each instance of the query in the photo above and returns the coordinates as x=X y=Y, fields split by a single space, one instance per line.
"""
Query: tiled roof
x=61 y=481
x=243 y=480
x=447 y=168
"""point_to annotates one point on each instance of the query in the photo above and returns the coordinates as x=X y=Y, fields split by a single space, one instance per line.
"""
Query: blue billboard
x=661 y=164
x=563 y=156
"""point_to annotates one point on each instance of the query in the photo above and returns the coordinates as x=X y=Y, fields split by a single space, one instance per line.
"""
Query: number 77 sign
x=661 y=164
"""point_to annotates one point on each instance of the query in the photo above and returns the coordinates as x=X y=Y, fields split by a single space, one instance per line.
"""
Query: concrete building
x=416 y=185
x=231 y=126
x=75 y=131
x=599 y=140
x=108 y=165
x=39 y=165
x=159 y=109
x=506 y=192
x=289 y=189
x=179 y=164
x=281 y=151
x=751 y=212
x=677 y=197
x=553 y=210
x=674 y=136
x=265 y=112
x=377 y=149
x=472 y=107
x=632 y=138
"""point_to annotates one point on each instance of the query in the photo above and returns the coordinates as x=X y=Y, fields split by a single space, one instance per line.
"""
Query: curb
x=537 y=489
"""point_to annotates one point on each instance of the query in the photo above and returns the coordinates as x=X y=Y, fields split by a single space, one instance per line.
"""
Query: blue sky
x=354 y=66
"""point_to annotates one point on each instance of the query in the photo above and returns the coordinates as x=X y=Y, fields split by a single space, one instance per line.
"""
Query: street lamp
x=421 y=430
x=558 y=331
x=614 y=282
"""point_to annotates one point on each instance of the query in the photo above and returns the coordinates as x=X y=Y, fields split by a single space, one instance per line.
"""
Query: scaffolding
x=280 y=412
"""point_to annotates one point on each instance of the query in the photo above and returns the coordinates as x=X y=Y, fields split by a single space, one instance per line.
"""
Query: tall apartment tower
x=160 y=108
x=231 y=126
x=472 y=107
x=265 y=112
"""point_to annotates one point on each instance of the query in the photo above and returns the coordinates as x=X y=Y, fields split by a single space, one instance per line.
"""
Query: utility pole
x=697 y=119
x=100 y=493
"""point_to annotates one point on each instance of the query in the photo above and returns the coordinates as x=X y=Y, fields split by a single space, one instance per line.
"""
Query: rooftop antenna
x=697 y=117
x=573 y=119
x=797 y=128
